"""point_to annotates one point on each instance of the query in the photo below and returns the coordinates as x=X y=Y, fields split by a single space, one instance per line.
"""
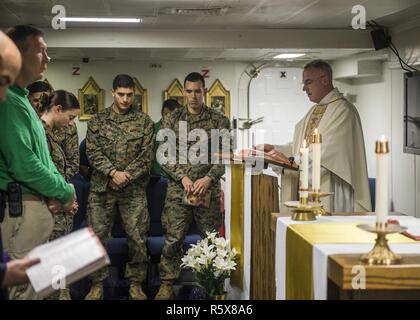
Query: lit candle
x=316 y=161
x=304 y=151
x=381 y=201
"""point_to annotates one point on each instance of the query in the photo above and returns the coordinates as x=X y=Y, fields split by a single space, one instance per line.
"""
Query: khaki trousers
x=22 y=234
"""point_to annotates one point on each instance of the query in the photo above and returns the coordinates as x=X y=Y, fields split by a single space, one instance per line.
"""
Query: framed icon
x=91 y=99
x=175 y=91
x=140 y=96
x=219 y=98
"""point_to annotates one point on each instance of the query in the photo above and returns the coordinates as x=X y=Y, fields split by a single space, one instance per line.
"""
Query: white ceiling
x=145 y=54
x=240 y=15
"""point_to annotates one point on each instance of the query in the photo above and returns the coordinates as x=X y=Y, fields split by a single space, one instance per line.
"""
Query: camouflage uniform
x=123 y=142
x=177 y=216
x=64 y=152
x=69 y=141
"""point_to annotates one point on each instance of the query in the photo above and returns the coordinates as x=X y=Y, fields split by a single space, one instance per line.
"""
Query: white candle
x=316 y=161
x=304 y=151
x=381 y=201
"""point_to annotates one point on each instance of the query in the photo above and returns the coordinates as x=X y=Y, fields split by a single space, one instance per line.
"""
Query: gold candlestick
x=381 y=254
x=303 y=211
x=316 y=196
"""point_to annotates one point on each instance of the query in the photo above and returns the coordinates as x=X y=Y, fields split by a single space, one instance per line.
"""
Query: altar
x=303 y=250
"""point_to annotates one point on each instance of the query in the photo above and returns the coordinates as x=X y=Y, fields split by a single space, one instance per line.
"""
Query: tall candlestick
x=381 y=201
x=304 y=151
x=316 y=160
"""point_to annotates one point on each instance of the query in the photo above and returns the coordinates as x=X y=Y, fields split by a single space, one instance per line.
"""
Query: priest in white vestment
x=343 y=157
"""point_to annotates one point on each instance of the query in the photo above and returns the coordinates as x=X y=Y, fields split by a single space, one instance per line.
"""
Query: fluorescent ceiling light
x=288 y=55
x=123 y=20
x=217 y=11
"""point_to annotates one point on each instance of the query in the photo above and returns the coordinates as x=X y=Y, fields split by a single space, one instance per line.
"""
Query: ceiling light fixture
x=117 y=20
x=288 y=55
x=219 y=11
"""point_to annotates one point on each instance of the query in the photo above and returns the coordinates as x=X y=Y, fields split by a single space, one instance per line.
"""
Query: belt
x=32 y=197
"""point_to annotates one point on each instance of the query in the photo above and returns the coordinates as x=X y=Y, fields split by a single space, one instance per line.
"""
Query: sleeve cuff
x=69 y=196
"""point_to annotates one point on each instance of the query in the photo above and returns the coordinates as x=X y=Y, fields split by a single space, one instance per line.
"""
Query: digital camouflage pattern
x=123 y=142
x=69 y=141
x=177 y=216
x=64 y=149
x=119 y=141
x=132 y=207
x=207 y=119
x=57 y=140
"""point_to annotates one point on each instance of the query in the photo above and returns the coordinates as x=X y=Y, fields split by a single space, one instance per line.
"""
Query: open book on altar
x=273 y=157
x=413 y=233
x=66 y=260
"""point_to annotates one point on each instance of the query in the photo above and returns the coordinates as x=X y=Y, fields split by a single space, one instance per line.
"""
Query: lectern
x=254 y=189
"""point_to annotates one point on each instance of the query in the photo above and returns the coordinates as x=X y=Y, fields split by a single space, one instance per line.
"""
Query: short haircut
x=20 y=33
x=171 y=105
x=320 y=65
x=123 y=81
x=65 y=99
x=194 y=77
x=38 y=86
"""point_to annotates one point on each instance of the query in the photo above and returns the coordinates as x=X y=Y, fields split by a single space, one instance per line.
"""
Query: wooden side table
x=400 y=281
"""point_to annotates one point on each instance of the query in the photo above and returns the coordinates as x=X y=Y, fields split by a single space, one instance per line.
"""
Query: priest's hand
x=278 y=156
x=264 y=147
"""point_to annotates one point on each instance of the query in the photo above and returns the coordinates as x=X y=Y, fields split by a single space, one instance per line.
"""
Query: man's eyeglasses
x=5 y=81
x=308 y=82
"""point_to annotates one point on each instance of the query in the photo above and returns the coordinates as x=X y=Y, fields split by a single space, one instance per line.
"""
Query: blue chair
x=116 y=286
x=82 y=188
x=372 y=185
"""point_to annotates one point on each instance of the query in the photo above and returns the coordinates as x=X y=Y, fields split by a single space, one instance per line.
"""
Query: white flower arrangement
x=212 y=261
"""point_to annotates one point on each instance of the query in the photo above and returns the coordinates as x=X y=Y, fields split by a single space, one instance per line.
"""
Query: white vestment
x=343 y=157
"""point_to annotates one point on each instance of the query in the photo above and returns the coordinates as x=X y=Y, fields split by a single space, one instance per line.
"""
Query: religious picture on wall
x=180 y=99
x=140 y=96
x=218 y=98
x=218 y=103
x=91 y=99
x=175 y=91
x=138 y=102
x=90 y=102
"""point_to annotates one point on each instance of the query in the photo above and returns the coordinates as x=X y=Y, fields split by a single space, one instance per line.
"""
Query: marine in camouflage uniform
x=64 y=150
x=177 y=216
x=69 y=140
x=124 y=142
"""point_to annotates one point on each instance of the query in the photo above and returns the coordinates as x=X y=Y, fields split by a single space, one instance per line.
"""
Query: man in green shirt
x=25 y=159
x=12 y=273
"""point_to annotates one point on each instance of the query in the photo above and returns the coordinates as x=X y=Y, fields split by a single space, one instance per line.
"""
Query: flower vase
x=218 y=297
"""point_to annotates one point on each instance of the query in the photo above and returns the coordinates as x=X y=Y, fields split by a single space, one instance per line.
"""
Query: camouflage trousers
x=176 y=220
x=63 y=224
x=132 y=206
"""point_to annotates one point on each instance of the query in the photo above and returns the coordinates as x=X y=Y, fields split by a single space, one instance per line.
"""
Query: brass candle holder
x=303 y=211
x=381 y=254
x=316 y=196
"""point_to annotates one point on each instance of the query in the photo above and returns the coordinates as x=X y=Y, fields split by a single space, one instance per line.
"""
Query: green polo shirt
x=24 y=155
